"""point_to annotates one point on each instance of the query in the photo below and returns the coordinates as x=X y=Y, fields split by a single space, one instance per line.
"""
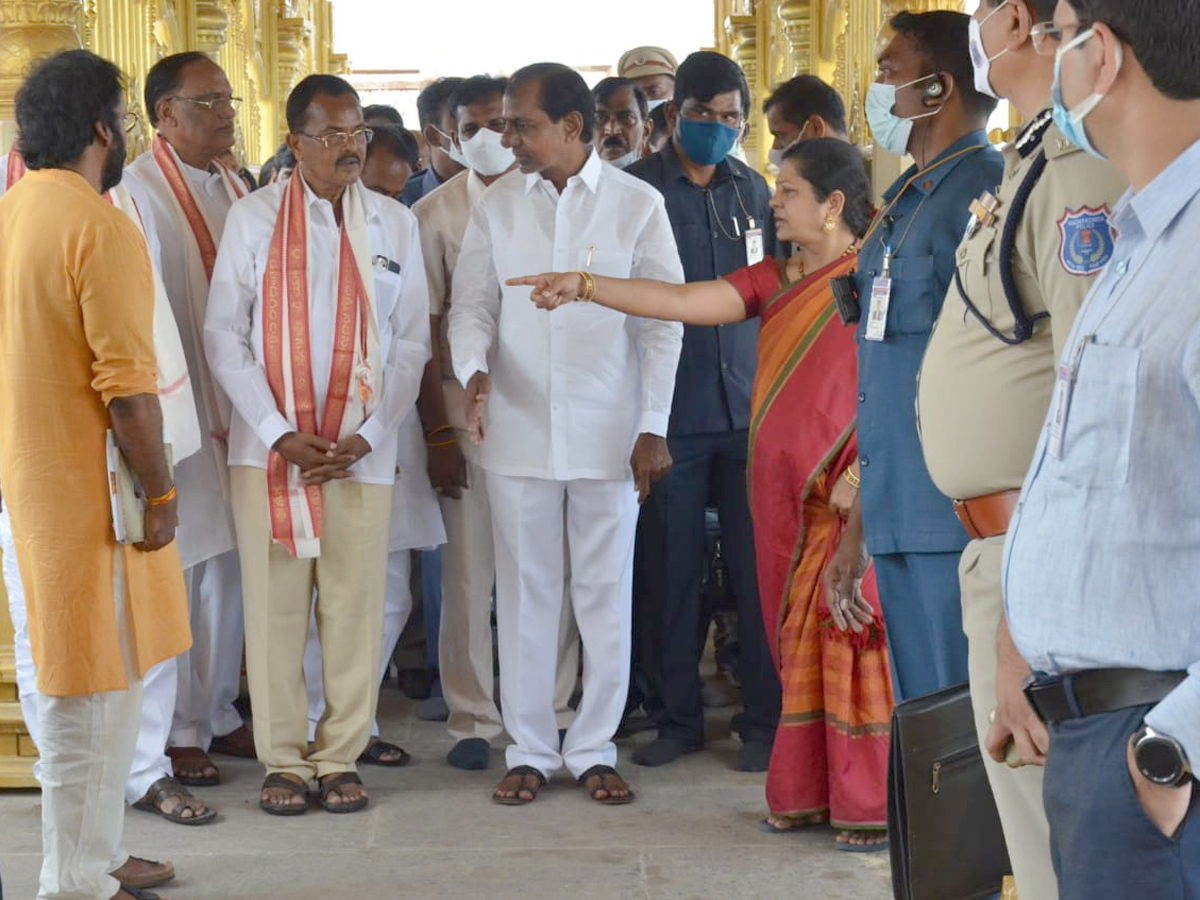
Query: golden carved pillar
x=29 y=30
x=743 y=32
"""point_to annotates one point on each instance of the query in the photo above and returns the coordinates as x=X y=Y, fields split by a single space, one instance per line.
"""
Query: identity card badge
x=1064 y=385
x=881 y=296
x=754 y=244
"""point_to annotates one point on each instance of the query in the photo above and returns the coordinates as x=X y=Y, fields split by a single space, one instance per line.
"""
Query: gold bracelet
x=851 y=479
x=162 y=499
x=437 y=445
x=589 y=288
x=438 y=430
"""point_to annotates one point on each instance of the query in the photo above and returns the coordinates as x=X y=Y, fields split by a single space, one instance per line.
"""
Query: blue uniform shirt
x=716 y=366
x=902 y=511
x=419 y=185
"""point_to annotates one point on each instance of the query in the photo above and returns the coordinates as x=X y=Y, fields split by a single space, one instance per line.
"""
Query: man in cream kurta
x=190 y=195
x=77 y=289
x=570 y=398
x=317 y=331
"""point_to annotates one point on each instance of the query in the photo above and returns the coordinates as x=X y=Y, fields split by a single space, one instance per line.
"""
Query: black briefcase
x=943 y=829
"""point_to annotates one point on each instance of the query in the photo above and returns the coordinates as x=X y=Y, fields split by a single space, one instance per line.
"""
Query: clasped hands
x=320 y=460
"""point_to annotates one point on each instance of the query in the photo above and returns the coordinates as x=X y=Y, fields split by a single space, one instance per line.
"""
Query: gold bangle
x=162 y=499
x=589 y=288
x=438 y=430
x=436 y=445
x=851 y=479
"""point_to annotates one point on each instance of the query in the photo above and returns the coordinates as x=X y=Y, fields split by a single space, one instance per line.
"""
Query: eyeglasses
x=342 y=138
x=130 y=121
x=1046 y=38
x=214 y=104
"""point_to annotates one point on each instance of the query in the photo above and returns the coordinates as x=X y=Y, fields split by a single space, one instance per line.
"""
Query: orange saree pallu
x=830 y=752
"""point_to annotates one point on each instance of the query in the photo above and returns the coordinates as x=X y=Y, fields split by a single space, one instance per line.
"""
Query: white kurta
x=205 y=519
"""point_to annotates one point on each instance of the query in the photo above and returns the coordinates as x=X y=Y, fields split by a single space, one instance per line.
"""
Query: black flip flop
x=373 y=755
x=610 y=800
x=523 y=772
x=277 y=780
x=330 y=784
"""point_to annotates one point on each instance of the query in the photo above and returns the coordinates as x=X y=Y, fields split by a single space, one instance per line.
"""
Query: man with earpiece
x=923 y=103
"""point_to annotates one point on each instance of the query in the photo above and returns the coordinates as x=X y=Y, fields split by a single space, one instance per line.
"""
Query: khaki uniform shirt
x=980 y=402
x=443 y=215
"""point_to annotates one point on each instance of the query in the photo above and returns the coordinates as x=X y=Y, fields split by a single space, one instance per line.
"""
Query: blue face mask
x=1070 y=121
x=707 y=143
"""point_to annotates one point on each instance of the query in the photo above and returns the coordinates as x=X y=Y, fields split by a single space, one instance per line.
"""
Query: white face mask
x=980 y=61
x=775 y=157
x=485 y=154
x=652 y=105
x=452 y=151
x=627 y=160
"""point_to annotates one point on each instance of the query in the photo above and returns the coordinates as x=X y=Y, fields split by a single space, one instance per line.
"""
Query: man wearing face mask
x=924 y=102
x=571 y=418
x=653 y=70
x=800 y=109
x=1030 y=255
x=720 y=213
x=437 y=127
x=622 y=127
x=1103 y=553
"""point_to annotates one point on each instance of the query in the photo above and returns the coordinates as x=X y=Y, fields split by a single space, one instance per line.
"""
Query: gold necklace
x=800 y=259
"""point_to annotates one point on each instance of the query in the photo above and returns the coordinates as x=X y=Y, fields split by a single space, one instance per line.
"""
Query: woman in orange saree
x=829 y=761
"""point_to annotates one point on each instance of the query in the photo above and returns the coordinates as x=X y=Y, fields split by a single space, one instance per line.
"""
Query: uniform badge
x=1086 y=240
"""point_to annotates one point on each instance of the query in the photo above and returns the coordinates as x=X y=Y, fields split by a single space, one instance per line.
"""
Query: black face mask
x=114 y=163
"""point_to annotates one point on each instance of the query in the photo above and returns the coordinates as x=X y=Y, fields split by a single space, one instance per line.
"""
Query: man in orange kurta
x=76 y=359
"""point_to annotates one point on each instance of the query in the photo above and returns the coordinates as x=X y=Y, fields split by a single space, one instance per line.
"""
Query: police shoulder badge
x=1086 y=240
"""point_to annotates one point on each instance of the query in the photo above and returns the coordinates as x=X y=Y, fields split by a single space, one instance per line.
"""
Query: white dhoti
x=532 y=518
x=210 y=673
x=87 y=743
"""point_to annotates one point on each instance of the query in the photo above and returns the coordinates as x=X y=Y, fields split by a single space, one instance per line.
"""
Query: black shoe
x=416 y=684
x=469 y=753
x=661 y=751
x=754 y=756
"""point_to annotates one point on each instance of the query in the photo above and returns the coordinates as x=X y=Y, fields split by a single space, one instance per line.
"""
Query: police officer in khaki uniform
x=1023 y=269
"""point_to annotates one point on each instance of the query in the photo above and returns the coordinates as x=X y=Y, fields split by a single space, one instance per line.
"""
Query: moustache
x=615 y=141
x=349 y=157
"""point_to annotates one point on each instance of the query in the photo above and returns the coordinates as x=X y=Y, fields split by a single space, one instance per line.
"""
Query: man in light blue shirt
x=1103 y=557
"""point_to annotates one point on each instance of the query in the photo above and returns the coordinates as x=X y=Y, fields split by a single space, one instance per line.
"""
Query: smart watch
x=1160 y=758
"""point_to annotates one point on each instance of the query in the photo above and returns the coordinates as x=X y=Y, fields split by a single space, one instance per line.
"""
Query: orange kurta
x=76 y=332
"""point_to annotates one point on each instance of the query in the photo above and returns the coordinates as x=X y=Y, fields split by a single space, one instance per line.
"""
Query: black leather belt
x=1096 y=691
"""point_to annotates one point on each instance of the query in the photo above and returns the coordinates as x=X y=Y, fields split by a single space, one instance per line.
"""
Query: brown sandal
x=280 y=781
x=606 y=774
x=531 y=782
x=167 y=787
x=332 y=784
x=192 y=759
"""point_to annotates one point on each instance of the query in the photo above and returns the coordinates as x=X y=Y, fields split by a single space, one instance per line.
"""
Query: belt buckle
x=1041 y=686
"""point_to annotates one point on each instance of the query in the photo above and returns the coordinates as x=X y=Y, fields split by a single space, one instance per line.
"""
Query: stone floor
x=431 y=833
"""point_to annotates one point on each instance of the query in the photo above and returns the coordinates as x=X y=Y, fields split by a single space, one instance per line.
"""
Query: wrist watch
x=1160 y=758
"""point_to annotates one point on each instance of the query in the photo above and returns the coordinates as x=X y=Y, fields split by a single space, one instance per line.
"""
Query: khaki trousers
x=1018 y=792
x=465 y=638
x=349 y=578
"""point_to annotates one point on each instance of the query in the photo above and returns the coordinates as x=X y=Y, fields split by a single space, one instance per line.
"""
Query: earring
x=830 y=225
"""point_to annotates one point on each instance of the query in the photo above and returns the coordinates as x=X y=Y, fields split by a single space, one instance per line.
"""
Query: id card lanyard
x=753 y=235
x=881 y=286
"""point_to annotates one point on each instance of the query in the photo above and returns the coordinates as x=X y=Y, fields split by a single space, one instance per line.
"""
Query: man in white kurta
x=317 y=331
x=575 y=408
x=468 y=566
x=190 y=192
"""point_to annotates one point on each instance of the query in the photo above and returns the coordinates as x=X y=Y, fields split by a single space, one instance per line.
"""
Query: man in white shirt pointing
x=574 y=412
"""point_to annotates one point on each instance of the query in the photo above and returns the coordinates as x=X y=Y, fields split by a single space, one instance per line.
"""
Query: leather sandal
x=331 y=784
x=280 y=781
x=144 y=873
x=604 y=773
x=167 y=787
x=376 y=752
x=239 y=743
x=525 y=773
x=195 y=759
